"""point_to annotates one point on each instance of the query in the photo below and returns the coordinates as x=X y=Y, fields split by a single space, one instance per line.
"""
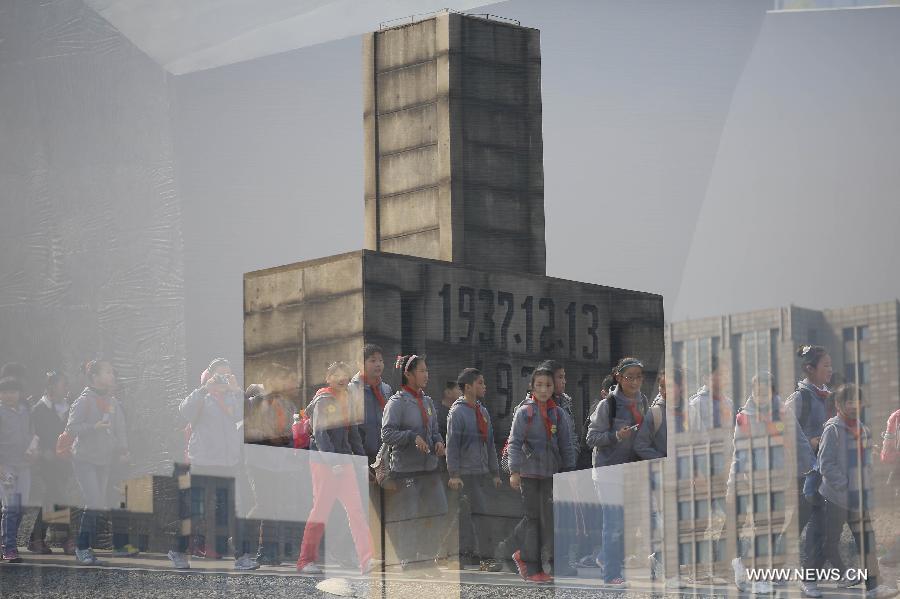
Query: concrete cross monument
x=454 y=265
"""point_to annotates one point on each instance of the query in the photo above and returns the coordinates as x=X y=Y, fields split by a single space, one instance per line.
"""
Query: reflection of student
x=540 y=445
x=710 y=408
x=890 y=457
x=617 y=418
x=368 y=384
x=98 y=425
x=410 y=429
x=49 y=416
x=471 y=460
x=334 y=439
x=611 y=433
x=650 y=441
x=845 y=460
x=17 y=449
x=449 y=397
x=214 y=411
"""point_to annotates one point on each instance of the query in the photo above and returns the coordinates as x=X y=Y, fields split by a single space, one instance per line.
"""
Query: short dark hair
x=468 y=377
x=552 y=365
x=811 y=355
x=846 y=393
x=609 y=381
x=540 y=372
x=216 y=363
x=11 y=383
x=406 y=363
x=370 y=349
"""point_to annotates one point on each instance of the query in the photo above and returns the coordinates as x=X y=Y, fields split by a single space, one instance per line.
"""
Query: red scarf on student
x=345 y=409
x=855 y=428
x=102 y=402
x=376 y=389
x=635 y=413
x=545 y=415
x=419 y=395
x=480 y=419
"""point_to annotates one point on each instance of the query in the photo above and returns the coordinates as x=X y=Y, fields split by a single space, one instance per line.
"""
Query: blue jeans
x=13 y=495
x=613 y=541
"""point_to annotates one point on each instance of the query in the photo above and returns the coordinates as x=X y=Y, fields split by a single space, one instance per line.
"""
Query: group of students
x=55 y=440
x=828 y=454
x=400 y=433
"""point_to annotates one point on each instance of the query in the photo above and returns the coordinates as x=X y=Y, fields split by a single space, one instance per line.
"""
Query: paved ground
x=149 y=576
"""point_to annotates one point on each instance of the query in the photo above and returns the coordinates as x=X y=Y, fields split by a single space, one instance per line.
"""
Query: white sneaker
x=179 y=560
x=86 y=557
x=882 y=592
x=311 y=568
x=810 y=589
x=761 y=587
x=245 y=562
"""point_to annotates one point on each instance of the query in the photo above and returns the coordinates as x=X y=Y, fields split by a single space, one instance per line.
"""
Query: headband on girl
x=629 y=364
x=408 y=362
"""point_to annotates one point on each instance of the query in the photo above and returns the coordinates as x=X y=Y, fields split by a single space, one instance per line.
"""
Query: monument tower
x=454 y=265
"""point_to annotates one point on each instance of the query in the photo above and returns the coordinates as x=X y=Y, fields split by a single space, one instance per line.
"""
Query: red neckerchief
x=480 y=419
x=635 y=413
x=418 y=395
x=376 y=389
x=545 y=408
x=822 y=393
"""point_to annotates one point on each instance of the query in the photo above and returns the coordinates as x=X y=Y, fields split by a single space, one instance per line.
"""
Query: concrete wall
x=453 y=142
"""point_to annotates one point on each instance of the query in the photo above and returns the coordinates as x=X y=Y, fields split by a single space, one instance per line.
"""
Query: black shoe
x=265 y=558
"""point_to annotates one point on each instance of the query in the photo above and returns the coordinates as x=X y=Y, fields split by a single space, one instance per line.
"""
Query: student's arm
x=319 y=419
x=599 y=433
x=643 y=441
x=564 y=438
x=121 y=429
x=455 y=430
x=390 y=426
x=190 y=406
x=829 y=465
x=493 y=462
x=356 y=442
x=77 y=424
x=434 y=425
x=516 y=438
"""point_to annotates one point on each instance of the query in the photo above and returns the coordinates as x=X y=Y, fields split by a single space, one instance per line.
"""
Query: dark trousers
x=469 y=517
x=533 y=535
x=410 y=509
x=830 y=519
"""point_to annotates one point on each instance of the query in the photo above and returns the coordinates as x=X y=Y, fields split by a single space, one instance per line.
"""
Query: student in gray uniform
x=18 y=447
x=374 y=391
x=611 y=433
x=410 y=429
x=540 y=445
x=845 y=463
x=471 y=463
x=650 y=441
x=98 y=425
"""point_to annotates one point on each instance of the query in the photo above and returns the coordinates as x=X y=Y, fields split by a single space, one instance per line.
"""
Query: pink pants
x=328 y=487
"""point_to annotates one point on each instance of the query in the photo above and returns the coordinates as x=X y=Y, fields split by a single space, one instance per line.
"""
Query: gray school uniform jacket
x=401 y=424
x=98 y=447
x=607 y=449
x=215 y=437
x=370 y=428
x=808 y=408
x=334 y=434
x=649 y=445
x=467 y=453
x=839 y=464
x=531 y=453
x=15 y=434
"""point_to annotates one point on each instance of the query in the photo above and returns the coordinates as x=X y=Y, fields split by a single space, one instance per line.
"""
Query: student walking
x=18 y=448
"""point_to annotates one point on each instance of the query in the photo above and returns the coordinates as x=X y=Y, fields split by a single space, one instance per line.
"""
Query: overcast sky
x=695 y=149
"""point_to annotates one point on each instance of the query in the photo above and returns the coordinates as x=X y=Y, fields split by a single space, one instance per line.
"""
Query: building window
x=862 y=332
x=700 y=466
x=759 y=459
x=198 y=501
x=718 y=464
x=777 y=501
x=703 y=555
x=850 y=373
x=701 y=509
x=743 y=504
x=760 y=503
x=684 y=554
x=776 y=457
x=719 y=550
x=654 y=480
x=684 y=511
x=848 y=333
x=222 y=507
x=718 y=505
x=684 y=468
x=762 y=545
x=741 y=459
x=743 y=545
x=777 y=544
